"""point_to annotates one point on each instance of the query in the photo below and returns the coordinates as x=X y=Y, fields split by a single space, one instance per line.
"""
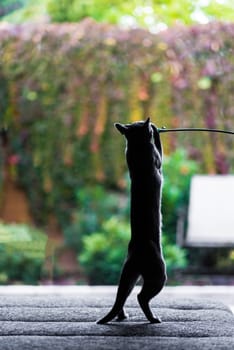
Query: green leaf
x=204 y=83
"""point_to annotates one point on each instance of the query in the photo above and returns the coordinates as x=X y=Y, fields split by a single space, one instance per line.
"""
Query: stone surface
x=68 y=321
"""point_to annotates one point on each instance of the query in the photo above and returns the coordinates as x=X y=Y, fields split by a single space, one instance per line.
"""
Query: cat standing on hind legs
x=144 y=258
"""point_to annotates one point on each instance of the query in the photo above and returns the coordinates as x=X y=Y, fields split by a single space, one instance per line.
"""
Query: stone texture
x=69 y=322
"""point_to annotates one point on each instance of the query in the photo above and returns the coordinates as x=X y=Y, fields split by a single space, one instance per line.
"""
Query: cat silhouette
x=144 y=258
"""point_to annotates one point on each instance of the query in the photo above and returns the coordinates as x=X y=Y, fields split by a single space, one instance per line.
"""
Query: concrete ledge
x=116 y=343
x=64 y=318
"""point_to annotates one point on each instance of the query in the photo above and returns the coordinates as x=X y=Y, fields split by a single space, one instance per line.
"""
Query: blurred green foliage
x=21 y=11
x=8 y=6
x=22 y=252
x=101 y=11
x=94 y=206
x=64 y=86
x=175 y=256
x=104 y=252
x=178 y=170
x=152 y=14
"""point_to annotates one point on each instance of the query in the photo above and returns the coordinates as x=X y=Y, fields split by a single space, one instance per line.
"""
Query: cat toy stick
x=164 y=129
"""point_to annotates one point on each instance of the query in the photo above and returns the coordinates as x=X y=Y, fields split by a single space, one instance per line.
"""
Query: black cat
x=144 y=159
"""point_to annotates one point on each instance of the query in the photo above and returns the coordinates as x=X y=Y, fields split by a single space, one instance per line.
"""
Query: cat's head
x=143 y=130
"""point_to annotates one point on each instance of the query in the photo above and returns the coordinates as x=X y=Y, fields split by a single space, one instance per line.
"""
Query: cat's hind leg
x=149 y=290
x=127 y=282
x=122 y=315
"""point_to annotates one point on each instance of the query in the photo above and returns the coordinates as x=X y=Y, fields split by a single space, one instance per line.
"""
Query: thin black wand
x=161 y=130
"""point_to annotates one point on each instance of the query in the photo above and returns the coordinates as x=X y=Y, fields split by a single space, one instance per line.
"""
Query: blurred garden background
x=69 y=69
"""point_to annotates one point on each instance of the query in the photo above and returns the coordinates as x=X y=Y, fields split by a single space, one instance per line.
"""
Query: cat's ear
x=147 y=122
x=121 y=128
